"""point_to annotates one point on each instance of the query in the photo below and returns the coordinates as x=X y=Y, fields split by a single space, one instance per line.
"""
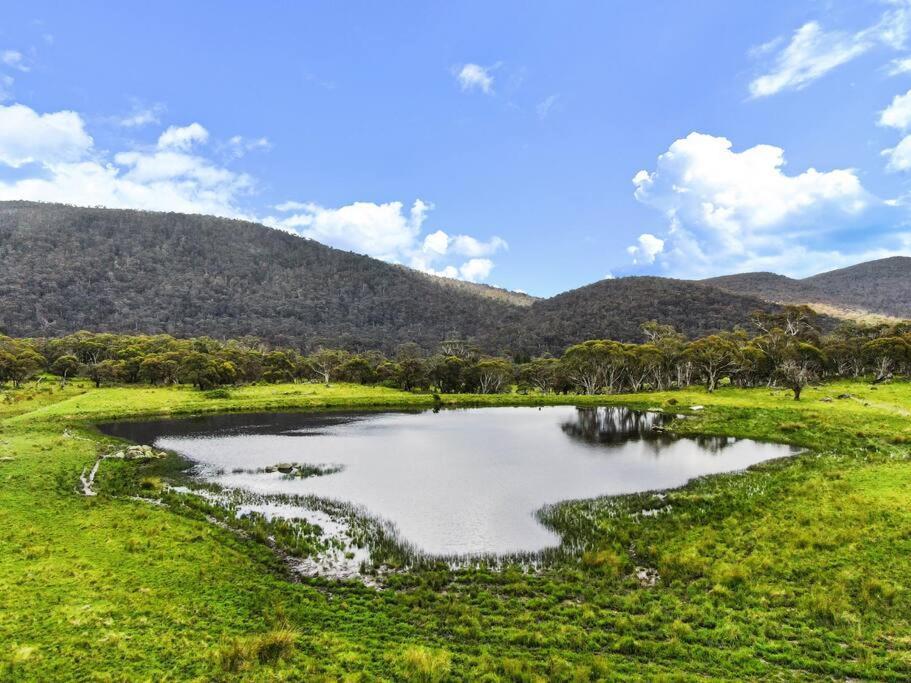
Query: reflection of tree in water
x=616 y=425
x=714 y=444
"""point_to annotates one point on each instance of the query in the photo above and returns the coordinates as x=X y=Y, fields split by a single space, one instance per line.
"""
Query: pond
x=451 y=482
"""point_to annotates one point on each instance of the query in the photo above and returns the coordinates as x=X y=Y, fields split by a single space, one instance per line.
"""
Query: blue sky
x=536 y=146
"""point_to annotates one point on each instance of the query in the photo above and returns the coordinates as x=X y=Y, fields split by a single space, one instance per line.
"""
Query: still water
x=456 y=481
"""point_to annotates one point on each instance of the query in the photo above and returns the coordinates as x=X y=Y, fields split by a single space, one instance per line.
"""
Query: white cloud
x=545 y=106
x=64 y=166
x=14 y=60
x=436 y=243
x=898 y=113
x=183 y=137
x=646 y=249
x=26 y=137
x=284 y=207
x=385 y=231
x=730 y=210
x=142 y=115
x=6 y=87
x=475 y=77
x=813 y=52
x=476 y=269
x=899 y=156
x=899 y=66
x=290 y=206
x=59 y=163
x=238 y=146
x=392 y=233
x=469 y=246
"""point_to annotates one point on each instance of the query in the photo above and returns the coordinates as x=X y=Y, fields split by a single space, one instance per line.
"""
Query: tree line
x=784 y=348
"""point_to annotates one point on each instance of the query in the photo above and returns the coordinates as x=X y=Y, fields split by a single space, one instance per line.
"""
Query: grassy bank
x=793 y=570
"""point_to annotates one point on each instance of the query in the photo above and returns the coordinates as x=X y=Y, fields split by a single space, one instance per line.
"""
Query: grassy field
x=793 y=570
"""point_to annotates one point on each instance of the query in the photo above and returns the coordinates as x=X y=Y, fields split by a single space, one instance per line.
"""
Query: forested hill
x=63 y=269
x=880 y=287
x=615 y=309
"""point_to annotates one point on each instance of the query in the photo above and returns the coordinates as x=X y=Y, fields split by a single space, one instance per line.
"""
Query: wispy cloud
x=475 y=77
x=546 y=106
x=898 y=116
x=239 y=146
x=14 y=60
x=813 y=51
x=142 y=115
x=6 y=87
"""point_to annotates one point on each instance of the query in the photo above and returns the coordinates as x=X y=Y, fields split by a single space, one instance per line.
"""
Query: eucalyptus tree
x=595 y=365
x=446 y=374
x=714 y=356
x=802 y=365
x=539 y=373
x=64 y=367
x=642 y=362
x=669 y=345
x=887 y=354
x=325 y=362
x=494 y=375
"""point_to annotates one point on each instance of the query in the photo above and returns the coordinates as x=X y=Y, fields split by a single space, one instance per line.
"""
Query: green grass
x=796 y=569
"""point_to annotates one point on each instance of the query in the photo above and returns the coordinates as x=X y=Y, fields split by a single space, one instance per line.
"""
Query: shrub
x=236 y=656
x=828 y=606
x=150 y=483
x=418 y=663
x=275 y=645
x=267 y=648
x=730 y=574
x=217 y=393
x=606 y=560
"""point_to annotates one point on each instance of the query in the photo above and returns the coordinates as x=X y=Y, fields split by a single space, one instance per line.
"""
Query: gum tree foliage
x=714 y=357
x=786 y=351
x=64 y=366
x=802 y=364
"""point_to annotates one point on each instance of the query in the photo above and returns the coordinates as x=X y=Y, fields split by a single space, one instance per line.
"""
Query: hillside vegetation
x=881 y=287
x=63 y=269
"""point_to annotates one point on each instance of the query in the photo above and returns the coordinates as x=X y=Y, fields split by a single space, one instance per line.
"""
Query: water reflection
x=614 y=424
x=611 y=425
x=453 y=482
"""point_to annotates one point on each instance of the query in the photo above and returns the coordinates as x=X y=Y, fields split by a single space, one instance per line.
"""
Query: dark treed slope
x=64 y=269
x=768 y=286
x=882 y=287
x=614 y=309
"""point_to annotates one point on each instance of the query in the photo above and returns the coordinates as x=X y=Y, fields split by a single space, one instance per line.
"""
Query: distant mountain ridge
x=873 y=288
x=65 y=268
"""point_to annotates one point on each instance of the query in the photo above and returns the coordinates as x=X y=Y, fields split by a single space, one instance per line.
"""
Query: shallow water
x=455 y=481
